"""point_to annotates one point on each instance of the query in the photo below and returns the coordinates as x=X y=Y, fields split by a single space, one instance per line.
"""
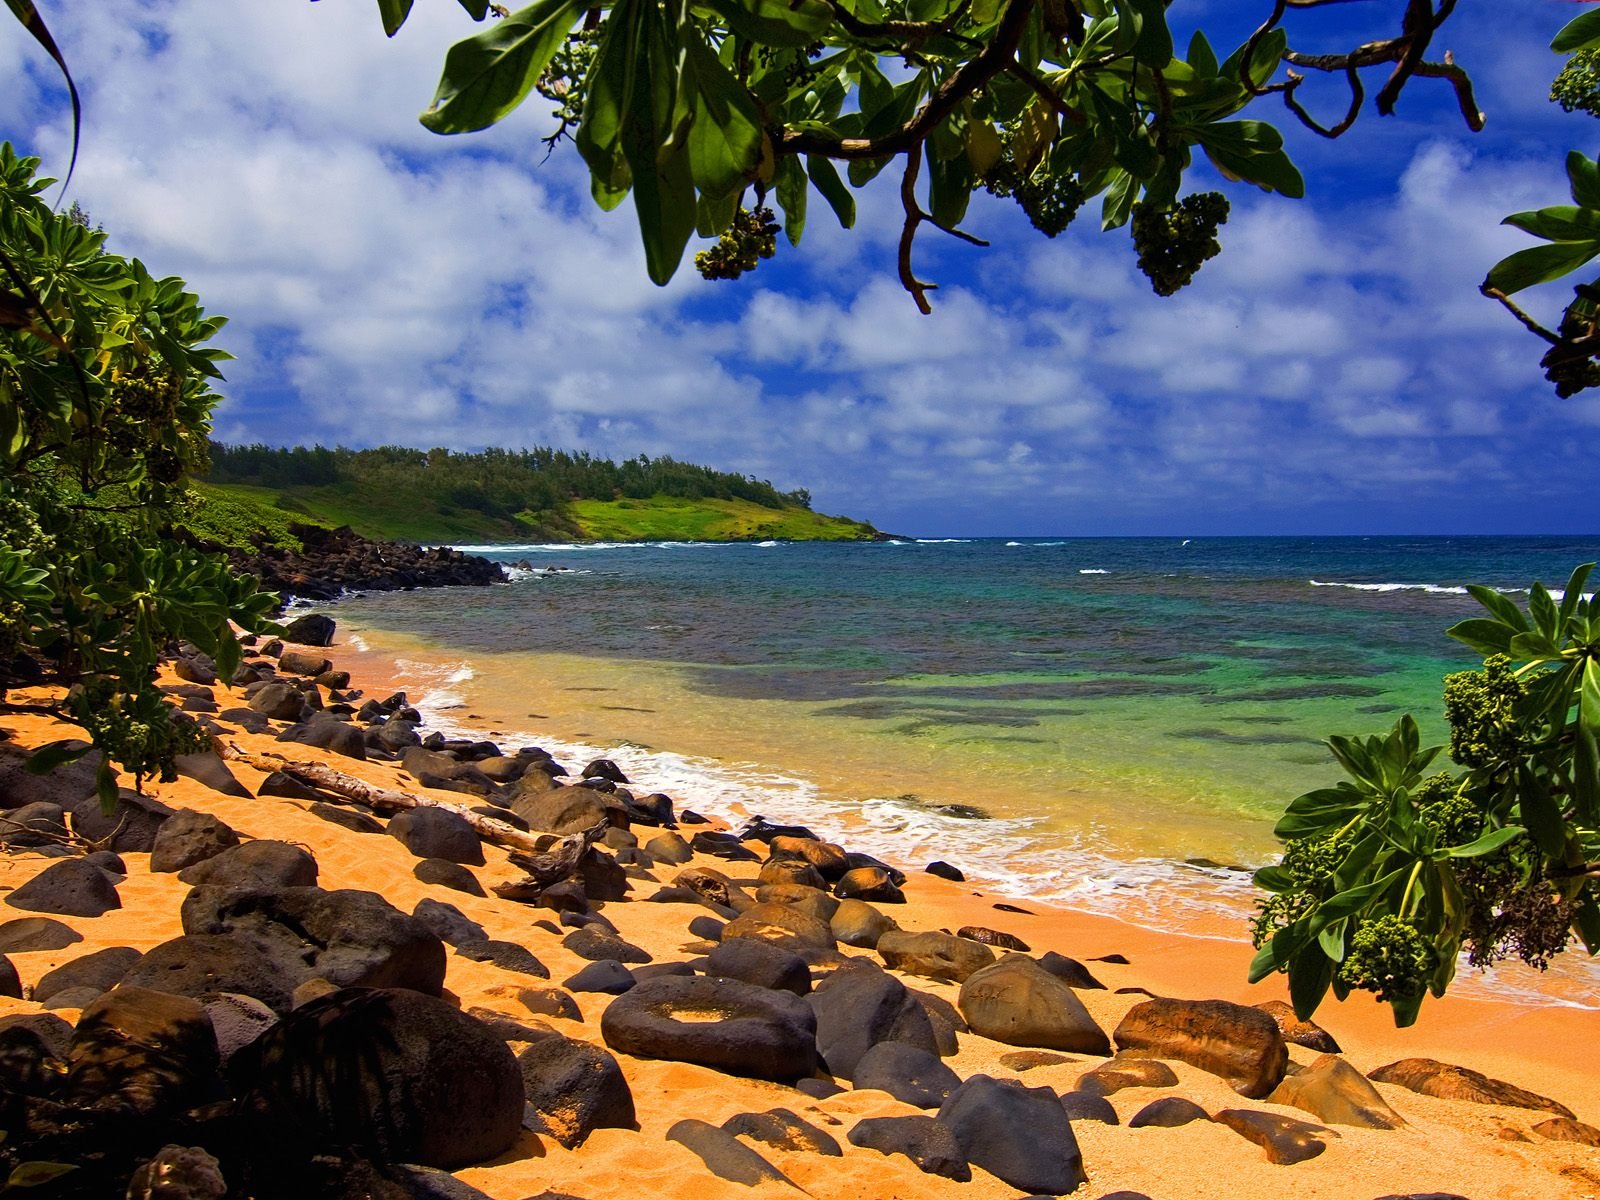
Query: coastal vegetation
x=402 y=494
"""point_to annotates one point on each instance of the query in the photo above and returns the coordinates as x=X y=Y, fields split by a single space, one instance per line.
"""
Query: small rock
x=809 y=900
x=437 y=833
x=188 y=837
x=508 y=956
x=668 y=848
x=550 y=1002
x=707 y=927
x=604 y=768
x=1018 y=1002
x=1122 y=1072
x=298 y=662
x=908 y=1073
x=574 y=1088
x=313 y=629
x=944 y=870
x=783 y=1130
x=1565 y=1129
x=724 y=1155
x=1019 y=1134
x=281 y=783
x=857 y=923
x=992 y=937
x=868 y=883
x=1027 y=1060
x=1085 y=1106
x=597 y=945
x=1169 y=1112
x=1297 y=1032
x=1433 y=1078
x=441 y=872
x=1239 y=1043
x=448 y=923
x=608 y=977
x=1333 y=1091
x=178 y=1173
x=36 y=933
x=1070 y=971
x=100 y=971
x=237 y=1020
x=1286 y=1140
x=924 y=1140
x=934 y=955
x=69 y=888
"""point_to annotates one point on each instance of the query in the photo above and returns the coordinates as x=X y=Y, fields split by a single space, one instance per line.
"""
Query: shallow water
x=1069 y=719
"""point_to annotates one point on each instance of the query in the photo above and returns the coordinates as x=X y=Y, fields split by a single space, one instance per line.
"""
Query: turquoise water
x=1111 y=723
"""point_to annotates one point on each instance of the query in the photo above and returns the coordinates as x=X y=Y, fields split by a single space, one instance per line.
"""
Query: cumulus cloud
x=387 y=285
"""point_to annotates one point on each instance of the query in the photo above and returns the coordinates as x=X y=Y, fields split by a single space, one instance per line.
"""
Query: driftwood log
x=544 y=869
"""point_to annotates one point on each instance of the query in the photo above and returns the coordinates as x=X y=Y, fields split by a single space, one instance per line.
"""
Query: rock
x=720 y=1023
x=830 y=860
x=281 y=783
x=249 y=720
x=868 y=883
x=509 y=1030
x=1028 y=1060
x=437 y=833
x=1169 y=1112
x=1239 y=1043
x=945 y=1019
x=1019 y=1003
x=279 y=702
x=707 y=927
x=783 y=1130
x=857 y=923
x=1084 y=1106
x=596 y=945
x=668 y=848
x=608 y=977
x=188 y=837
x=264 y=865
x=992 y=937
x=1019 y=1134
x=66 y=785
x=809 y=900
x=604 y=768
x=818 y=1088
x=36 y=933
x=33 y=1051
x=10 y=981
x=443 y=873
x=711 y=886
x=387 y=1069
x=574 y=1088
x=1433 y=1078
x=136 y=1052
x=200 y=964
x=943 y=870
x=100 y=970
x=40 y=823
x=1334 y=1092
x=1565 y=1129
x=1124 y=1072
x=924 y=1140
x=1286 y=1140
x=131 y=826
x=791 y=870
x=68 y=888
x=196 y=668
x=298 y=662
x=207 y=768
x=448 y=923
x=562 y=810
x=313 y=629
x=236 y=1020
x=1070 y=971
x=934 y=955
x=721 y=845
x=108 y=862
x=909 y=1074
x=780 y=925
x=724 y=1155
x=1297 y=1032
x=325 y=731
x=178 y=1173
x=350 y=938
x=858 y=1008
x=508 y=956
x=550 y=1002
x=761 y=964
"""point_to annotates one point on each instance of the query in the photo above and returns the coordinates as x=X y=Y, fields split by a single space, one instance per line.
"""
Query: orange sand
x=1486 y=1153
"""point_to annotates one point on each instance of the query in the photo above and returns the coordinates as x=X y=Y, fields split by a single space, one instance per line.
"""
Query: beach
x=1445 y=1145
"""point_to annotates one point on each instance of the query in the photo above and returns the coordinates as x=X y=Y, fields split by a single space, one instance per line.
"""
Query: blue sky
x=1334 y=371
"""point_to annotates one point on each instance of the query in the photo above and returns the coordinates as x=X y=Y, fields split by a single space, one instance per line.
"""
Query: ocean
x=1109 y=722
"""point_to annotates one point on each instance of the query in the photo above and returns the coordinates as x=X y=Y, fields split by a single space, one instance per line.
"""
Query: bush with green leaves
x=1389 y=876
x=105 y=405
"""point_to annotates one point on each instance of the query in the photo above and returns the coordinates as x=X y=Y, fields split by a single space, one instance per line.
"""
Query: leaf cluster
x=1391 y=874
x=105 y=404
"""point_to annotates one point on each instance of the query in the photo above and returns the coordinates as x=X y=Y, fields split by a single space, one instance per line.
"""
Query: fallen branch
x=383 y=799
x=546 y=870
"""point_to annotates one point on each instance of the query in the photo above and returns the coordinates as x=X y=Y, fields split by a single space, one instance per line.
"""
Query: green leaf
x=1263 y=964
x=1587 y=923
x=394 y=13
x=1273 y=879
x=791 y=192
x=1488 y=843
x=826 y=178
x=1118 y=204
x=1589 y=696
x=1154 y=47
x=1580 y=33
x=105 y=786
x=726 y=136
x=1310 y=973
x=1560 y=223
x=1540 y=813
x=489 y=74
x=1331 y=941
x=1586 y=773
x=1251 y=152
x=476 y=9
x=1543 y=611
x=47 y=758
x=1539 y=264
x=1201 y=56
x=1534 y=646
x=950 y=185
x=32 y=1174
x=1572 y=594
x=1501 y=605
x=1583 y=176
x=775 y=22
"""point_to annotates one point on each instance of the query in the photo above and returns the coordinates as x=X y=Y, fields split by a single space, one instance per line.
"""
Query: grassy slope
x=228 y=513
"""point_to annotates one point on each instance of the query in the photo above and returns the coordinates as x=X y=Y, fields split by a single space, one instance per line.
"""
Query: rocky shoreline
x=393 y=964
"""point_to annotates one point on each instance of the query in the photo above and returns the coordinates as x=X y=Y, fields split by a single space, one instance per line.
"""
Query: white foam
x=358 y=643
x=943 y=541
x=1013 y=543
x=1436 y=588
x=1093 y=571
x=766 y=544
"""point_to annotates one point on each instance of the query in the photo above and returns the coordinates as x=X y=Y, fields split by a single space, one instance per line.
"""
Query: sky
x=1333 y=371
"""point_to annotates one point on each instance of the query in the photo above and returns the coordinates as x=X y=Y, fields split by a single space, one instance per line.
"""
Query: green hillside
x=255 y=493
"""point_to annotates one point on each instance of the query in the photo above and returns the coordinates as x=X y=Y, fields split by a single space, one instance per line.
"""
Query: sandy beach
x=1450 y=1146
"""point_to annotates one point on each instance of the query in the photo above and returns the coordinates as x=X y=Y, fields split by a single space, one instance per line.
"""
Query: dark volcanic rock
x=324 y=731
x=444 y=873
x=868 y=883
x=934 y=955
x=1070 y=971
x=196 y=965
x=1019 y=1134
x=719 y=1023
x=189 y=837
x=262 y=865
x=1169 y=1112
x=333 y=561
x=596 y=945
x=100 y=970
x=574 y=1088
x=907 y=1073
x=448 y=923
x=783 y=1130
x=944 y=870
x=438 y=833
x=207 y=768
x=924 y=1140
x=36 y=933
x=418 y=1080
x=1083 y=1106
x=313 y=629
x=38 y=824
x=608 y=977
x=345 y=818
x=857 y=923
x=508 y=956
x=724 y=1155
x=131 y=826
x=69 y=888
x=140 y=1052
x=858 y=1008
x=761 y=964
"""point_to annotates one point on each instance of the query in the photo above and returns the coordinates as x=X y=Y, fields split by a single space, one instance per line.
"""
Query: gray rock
x=36 y=933
x=255 y=866
x=196 y=965
x=130 y=827
x=508 y=956
x=718 y=1023
x=1019 y=1134
x=783 y=1130
x=724 y=1155
x=1017 y=1002
x=1085 y=1106
x=207 y=768
x=860 y=1007
x=608 y=977
x=597 y=945
x=313 y=629
x=444 y=873
x=934 y=955
x=761 y=964
x=448 y=923
x=99 y=970
x=188 y=837
x=69 y=888
x=574 y=1088
x=37 y=824
x=1169 y=1112
x=668 y=847
x=908 y=1073
x=437 y=833
x=345 y=818
x=324 y=731
x=924 y=1140
x=237 y=1020
x=279 y=702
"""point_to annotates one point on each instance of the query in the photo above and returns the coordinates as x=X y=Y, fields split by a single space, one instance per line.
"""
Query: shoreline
x=1486 y=1151
x=1164 y=896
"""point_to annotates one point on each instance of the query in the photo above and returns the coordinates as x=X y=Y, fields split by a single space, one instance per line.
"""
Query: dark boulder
x=720 y=1023
x=858 y=1008
x=197 y=965
x=1169 y=1112
x=403 y=1075
x=188 y=837
x=36 y=933
x=1019 y=1134
x=943 y=870
x=448 y=923
x=136 y=1052
x=1018 y=1002
x=313 y=629
x=207 y=768
x=868 y=883
x=608 y=977
x=574 y=1088
x=724 y=1155
x=99 y=970
x=1070 y=971
x=437 y=833
x=254 y=866
x=130 y=827
x=924 y=1140
x=443 y=873
x=40 y=823
x=345 y=818
x=596 y=945
x=279 y=702
x=857 y=923
x=1239 y=1043
x=783 y=1130
x=761 y=964
x=69 y=888
x=1084 y=1106
x=324 y=731
x=298 y=662
x=908 y=1073
x=508 y=956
